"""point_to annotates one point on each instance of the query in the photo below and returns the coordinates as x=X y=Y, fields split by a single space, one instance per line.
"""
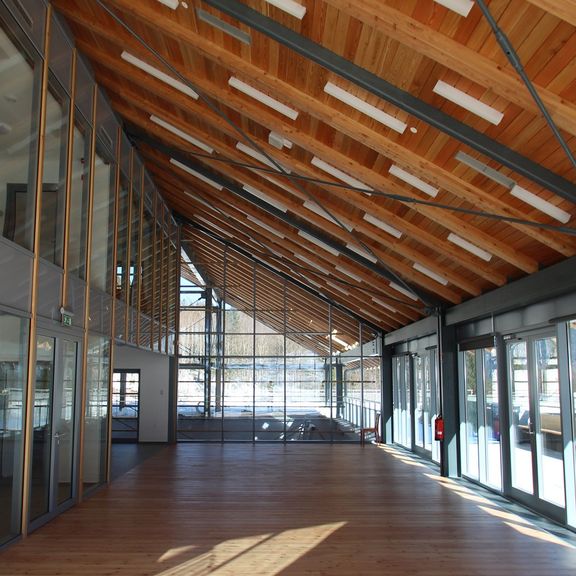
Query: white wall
x=154 y=379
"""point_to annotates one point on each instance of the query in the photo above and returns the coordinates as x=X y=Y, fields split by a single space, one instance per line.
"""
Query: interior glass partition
x=13 y=369
x=96 y=414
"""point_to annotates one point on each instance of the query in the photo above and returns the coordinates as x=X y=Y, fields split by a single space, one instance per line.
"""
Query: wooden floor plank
x=197 y=509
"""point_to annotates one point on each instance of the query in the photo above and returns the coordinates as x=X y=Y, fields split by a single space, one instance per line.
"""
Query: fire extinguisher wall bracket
x=439 y=428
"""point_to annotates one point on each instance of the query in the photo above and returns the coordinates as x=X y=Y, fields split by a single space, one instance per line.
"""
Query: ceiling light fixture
x=263 y=98
x=340 y=289
x=197 y=174
x=265 y=197
x=163 y=77
x=384 y=305
x=198 y=199
x=181 y=134
x=540 y=204
x=329 y=169
x=484 y=169
x=413 y=180
x=170 y=3
x=314 y=240
x=461 y=7
x=206 y=221
x=313 y=264
x=472 y=248
x=339 y=341
x=362 y=252
x=313 y=207
x=265 y=226
x=382 y=225
x=402 y=290
x=430 y=273
x=223 y=26
x=468 y=102
x=364 y=107
x=290 y=7
x=350 y=274
x=278 y=141
x=257 y=156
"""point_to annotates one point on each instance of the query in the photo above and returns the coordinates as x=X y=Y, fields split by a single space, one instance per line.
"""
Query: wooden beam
x=341 y=122
x=564 y=9
x=458 y=57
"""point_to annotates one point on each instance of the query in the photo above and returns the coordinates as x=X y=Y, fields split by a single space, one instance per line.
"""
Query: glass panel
x=492 y=419
x=123 y=273
x=42 y=439
x=521 y=424
x=54 y=177
x=239 y=345
x=419 y=401
x=64 y=424
x=60 y=54
x=427 y=396
x=13 y=355
x=471 y=416
x=572 y=343
x=406 y=378
x=95 y=425
x=102 y=225
x=549 y=432
x=80 y=180
x=125 y=405
x=18 y=131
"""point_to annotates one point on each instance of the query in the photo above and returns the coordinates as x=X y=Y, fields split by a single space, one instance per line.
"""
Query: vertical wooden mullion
x=31 y=372
x=68 y=185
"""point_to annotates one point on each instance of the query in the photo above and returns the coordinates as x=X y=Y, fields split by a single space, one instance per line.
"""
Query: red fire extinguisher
x=439 y=428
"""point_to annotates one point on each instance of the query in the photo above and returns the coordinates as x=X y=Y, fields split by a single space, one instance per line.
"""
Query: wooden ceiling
x=290 y=214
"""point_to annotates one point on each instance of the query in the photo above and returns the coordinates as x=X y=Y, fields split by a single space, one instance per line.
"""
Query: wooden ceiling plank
x=462 y=188
x=565 y=10
x=372 y=138
x=371 y=207
x=458 y=57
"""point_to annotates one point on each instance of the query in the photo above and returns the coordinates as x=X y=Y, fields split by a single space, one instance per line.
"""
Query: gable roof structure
x=339 y=148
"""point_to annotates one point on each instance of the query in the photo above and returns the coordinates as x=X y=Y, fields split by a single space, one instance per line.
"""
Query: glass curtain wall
x=261 y=360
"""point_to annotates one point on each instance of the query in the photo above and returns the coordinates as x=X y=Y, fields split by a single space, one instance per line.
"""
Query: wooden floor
x=293 y=509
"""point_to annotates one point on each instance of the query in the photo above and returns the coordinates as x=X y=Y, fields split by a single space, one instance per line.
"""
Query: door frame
x=54 y=509
x=534 y=500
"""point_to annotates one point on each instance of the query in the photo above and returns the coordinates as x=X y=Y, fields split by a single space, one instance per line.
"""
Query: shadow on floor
x=127 y=456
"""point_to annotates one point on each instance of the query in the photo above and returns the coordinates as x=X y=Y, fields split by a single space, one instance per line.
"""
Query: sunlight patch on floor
x=263 y=554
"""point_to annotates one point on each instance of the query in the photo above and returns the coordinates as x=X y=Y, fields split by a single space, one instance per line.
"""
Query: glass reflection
x=42 y=439
x=96 y=414
x=13 y=354
x=18 y=128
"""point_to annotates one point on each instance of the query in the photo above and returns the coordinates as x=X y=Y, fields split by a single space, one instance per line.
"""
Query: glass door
x=536 y=443
x=426 y=405
x=480 y=416
x=53 y=442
